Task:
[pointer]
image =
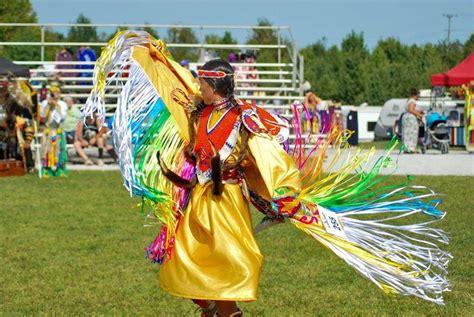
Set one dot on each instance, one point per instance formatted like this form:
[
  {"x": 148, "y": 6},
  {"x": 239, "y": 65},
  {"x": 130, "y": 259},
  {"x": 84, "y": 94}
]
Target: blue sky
[{"x": 411, "y": 21}]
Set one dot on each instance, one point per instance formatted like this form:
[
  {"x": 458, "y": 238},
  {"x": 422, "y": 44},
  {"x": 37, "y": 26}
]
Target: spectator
[
  {"x": 337, "y": 118},
  {"x": 410, "y": 127},
  {"x": 252, "y": 72},
  {"x": 311, "y": 101},
  {"x": 43, "y": 94},
  {"x": 65, "y": 55},
  {"x": 70, "y": 123},
  {"x": 325, "y": 117},
  {"x": 53, "y": 110},
  {"x": 241, "y": 74},
  {"x": 108, "y": 136},
  {"x": 232, "y": 57},
  {"x": 87, "y": 134},
  {"x": 87, "y": 55}
]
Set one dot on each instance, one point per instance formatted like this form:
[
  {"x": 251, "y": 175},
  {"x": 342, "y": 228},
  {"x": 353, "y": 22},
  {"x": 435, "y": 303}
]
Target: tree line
[
  {"x": 349, "y": 72},
  {"x": 353, "y": 74}
]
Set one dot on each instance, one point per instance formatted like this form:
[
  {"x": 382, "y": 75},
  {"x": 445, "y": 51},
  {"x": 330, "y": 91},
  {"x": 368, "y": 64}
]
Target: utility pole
[{"x": 449, "y": 16}]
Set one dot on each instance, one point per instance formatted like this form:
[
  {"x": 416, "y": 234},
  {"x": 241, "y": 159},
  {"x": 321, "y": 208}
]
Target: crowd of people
[
  {"x": 60, "y": 123},
  {"x": 59, "y": 119},
  {"x": 81, "y": 133},
  {"x": 55, "y": 120},
  {"x": 83, "y": 54}
]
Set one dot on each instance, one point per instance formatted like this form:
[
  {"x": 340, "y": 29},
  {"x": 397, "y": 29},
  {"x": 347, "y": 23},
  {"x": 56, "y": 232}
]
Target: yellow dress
[{"x": 216, "y": 256}]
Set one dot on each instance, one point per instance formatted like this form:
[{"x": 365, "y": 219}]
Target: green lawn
[{"x": 74, "y": 246}]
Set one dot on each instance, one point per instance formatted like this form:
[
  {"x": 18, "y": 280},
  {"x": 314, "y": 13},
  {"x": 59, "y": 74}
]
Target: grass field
[{"x": 74, "y": 246}]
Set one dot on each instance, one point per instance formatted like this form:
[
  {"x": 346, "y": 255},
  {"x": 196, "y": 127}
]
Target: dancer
[
  {"x": 17, "y": 98},
  {"x": 53, "y": 112},
  {"x": 198, "y": 163}
]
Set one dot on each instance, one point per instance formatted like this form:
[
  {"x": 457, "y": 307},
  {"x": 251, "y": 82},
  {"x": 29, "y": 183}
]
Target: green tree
[
  {"x": 263, "y": 36},
  {"x": 378, "y": 76},
  {"x": 429, "y": 62},
  {"x": 216, "y": 39},
  {"x": 314, "y": 67},
  {"x": 185, "y": 36},
  {"x": 82, "y": 33},
  {"x": 52, "y": 36},
  {"x": 227, "y": 38},
  {"x": 352, "y": 75},
  {"x": 393, "y": 50},
  {"x": 19, "y": 11},
  {"x": 329, "y": 79},
  {"x": 106, "y": 37},
  {"x": 469, "y": 45},
  {"x": 321, "y": 68},
  {"x": 267, "y": 37},
  {"x": 451, "y": 52},
  {"x": 394, "y": 67},
  {"x": 151, "y": 31}
]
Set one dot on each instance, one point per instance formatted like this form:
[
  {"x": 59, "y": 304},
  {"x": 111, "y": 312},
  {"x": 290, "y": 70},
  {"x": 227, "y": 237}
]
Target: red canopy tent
[{"x": 460, "y": 74}]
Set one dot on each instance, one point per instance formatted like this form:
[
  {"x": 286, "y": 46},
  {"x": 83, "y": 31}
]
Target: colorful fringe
[
  {"x": 144, "y": 125},
  {"x": 375, "y": 230},
  {"x": 54, "y": 154}
]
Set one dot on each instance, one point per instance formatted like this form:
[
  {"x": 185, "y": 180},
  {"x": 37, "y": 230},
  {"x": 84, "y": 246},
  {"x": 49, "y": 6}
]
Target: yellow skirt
[{"x": 215, "y": 256}]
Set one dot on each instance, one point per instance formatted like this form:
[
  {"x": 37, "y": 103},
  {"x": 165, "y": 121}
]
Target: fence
[
  {"x": 279, "y": 81},
  {"x": 276, "y": 87}
]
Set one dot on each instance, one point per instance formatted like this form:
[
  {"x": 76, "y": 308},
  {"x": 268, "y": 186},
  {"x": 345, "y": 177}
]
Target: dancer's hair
[{"x": 224, "y": 86}]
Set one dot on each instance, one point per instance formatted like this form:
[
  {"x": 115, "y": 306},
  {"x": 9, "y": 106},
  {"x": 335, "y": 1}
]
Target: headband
[{"x": 212, "y": 74}]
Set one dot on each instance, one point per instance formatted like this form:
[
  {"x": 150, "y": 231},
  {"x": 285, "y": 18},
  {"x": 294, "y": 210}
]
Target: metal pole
[
  {"x": 201, "y": 49},
  {"x": 161, "y": 26},
  {"x": 42, "y": 43},
  {"x": 279, "y": 51},
  {"x": 449, "y": 16},
  {"x": 301, "y": 73},
  {"x": 295, "y": 60}
]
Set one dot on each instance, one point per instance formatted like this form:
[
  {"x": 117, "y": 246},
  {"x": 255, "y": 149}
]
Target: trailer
[{"x": 393, "y": 108}]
